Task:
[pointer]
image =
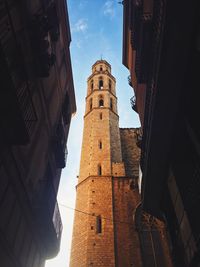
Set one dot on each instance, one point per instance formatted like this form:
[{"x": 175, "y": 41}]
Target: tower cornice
[
  {"x": 100, "y": 62},
  {"x": 102, "y": 90},
  {"x": 101, "y": 108},
  {"x": 101, "y": 72}
]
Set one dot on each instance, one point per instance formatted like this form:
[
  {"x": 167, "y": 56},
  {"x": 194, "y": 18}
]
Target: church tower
[{"x": 107, "y": 190}]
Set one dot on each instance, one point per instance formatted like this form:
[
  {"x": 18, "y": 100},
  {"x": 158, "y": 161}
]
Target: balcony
[
  {"x": 59, "y": 146},
  {"x": 47, "y": 216},
  {"x": 133, "y": 103},
  {"x": 129, "y": 81}
]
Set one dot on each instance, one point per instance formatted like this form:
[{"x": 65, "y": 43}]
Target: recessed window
[
  {"x": 101, "y": 116},
  {"x": 101, "y": 68},
  {"x": 111, "y": 103},
  {"x": 90, "y": 103},
  {"x": 100, "y": 83},
  {"x": 99, "y": 170},
  {"x": 92, "y": 85},
  {"x": 100, "y": 145},
  {"x": 110, "y": 84},
  {"x": 99, "y": 224},
  {"x": 101, "y": 103}
]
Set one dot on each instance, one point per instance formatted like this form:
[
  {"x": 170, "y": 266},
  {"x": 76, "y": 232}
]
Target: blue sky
[{"x": 96, "y": 30}]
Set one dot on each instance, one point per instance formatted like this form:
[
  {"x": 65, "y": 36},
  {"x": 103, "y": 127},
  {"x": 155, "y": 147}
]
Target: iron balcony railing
[
  {"x": 129, "y": 81},
  {"x": 133, "y": 103}
]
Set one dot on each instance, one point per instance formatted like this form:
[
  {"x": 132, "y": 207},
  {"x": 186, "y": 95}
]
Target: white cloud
[
  {"x": 108, "y": 8},
  {"x": 80, "y": 26}
]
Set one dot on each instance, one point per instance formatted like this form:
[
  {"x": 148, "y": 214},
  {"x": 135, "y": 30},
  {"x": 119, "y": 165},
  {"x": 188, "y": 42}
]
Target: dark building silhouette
[
  {"x": 36, "y": 104},
  {"x": 161, "y": 48}
]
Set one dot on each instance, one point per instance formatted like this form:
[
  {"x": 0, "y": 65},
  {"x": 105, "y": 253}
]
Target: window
[
  {"x": 99, "y": 224},
  {"x": 100, "y": 144},
  {"x": 101, "y": 103},
  {"x": 100, "y": 116},
  {"x": 101, "y": 68},
  {"x": 99, "y": 170},
  {"x": 111, "y": 103},
  {"x": 92, "y": 85},
  {"x": 100, "y": 83},
  {"x": 110, "y": 85},
  {"x": 90, "y": 103}
]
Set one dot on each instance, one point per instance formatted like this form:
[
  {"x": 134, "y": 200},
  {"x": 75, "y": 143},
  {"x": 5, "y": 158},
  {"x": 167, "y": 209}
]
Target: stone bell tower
[{"x": 107, "y": 190}]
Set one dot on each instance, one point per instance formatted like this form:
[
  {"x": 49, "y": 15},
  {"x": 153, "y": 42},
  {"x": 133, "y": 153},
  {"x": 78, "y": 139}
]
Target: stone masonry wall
[
  {"x": 90, "y": 248},
  {"x": 126, "y": 198},
  {"x": 130, "y": 151},
  {"x": 127, "y": 244}
]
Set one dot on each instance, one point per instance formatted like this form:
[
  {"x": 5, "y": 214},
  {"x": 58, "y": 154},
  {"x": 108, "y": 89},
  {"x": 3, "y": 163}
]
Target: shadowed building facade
[
  {"x": 36, "y": 104},
  {"x": 161, "y": 49}
]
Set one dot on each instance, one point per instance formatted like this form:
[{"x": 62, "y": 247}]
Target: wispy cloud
[
  {"x": 83, "y": 3},
  {"x": 108, "y": 8},
  {"x": 80, "y": 26}
]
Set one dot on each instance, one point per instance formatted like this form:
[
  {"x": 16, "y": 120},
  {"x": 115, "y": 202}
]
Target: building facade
[
  {"x": 107, "y": 191},
  {"x": 36, "y": 104},
  {"x": 106, "y": 181},
  {"x": 161, "y": 50}
]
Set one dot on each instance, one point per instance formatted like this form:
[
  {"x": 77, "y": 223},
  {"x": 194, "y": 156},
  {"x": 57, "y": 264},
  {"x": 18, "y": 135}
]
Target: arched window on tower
[
  {"x": 92, "y": 85},
  {"x": 100, "y": 144},
  {"x": 101, "y": 102},
  {"x": 110, "y": 85},
  {"x": 100, "y": 83},
  {"x": 90, "y": 103},
  {"x": 99, "y": 169},
  {"x": 111, "y": 103},
  {"x": 101, "y": 116},
  {"x": 98, "y": 224},
  {"x": 101, "y": 69}
]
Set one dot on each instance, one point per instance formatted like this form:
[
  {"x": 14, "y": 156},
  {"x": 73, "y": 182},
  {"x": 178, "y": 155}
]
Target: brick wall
[
  {"x": 130, "y": 151},
  {"x": 89, "y": 248},
  {"x": 126, "y": 237}
]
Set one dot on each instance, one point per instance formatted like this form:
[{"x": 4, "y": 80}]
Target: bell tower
[
  {"x": 103, "y": 233},
  {"x": 101, "y": 138}
]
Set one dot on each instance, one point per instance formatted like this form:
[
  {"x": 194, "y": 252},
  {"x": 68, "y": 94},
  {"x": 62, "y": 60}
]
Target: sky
[{"x": 96, "y": 32}]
